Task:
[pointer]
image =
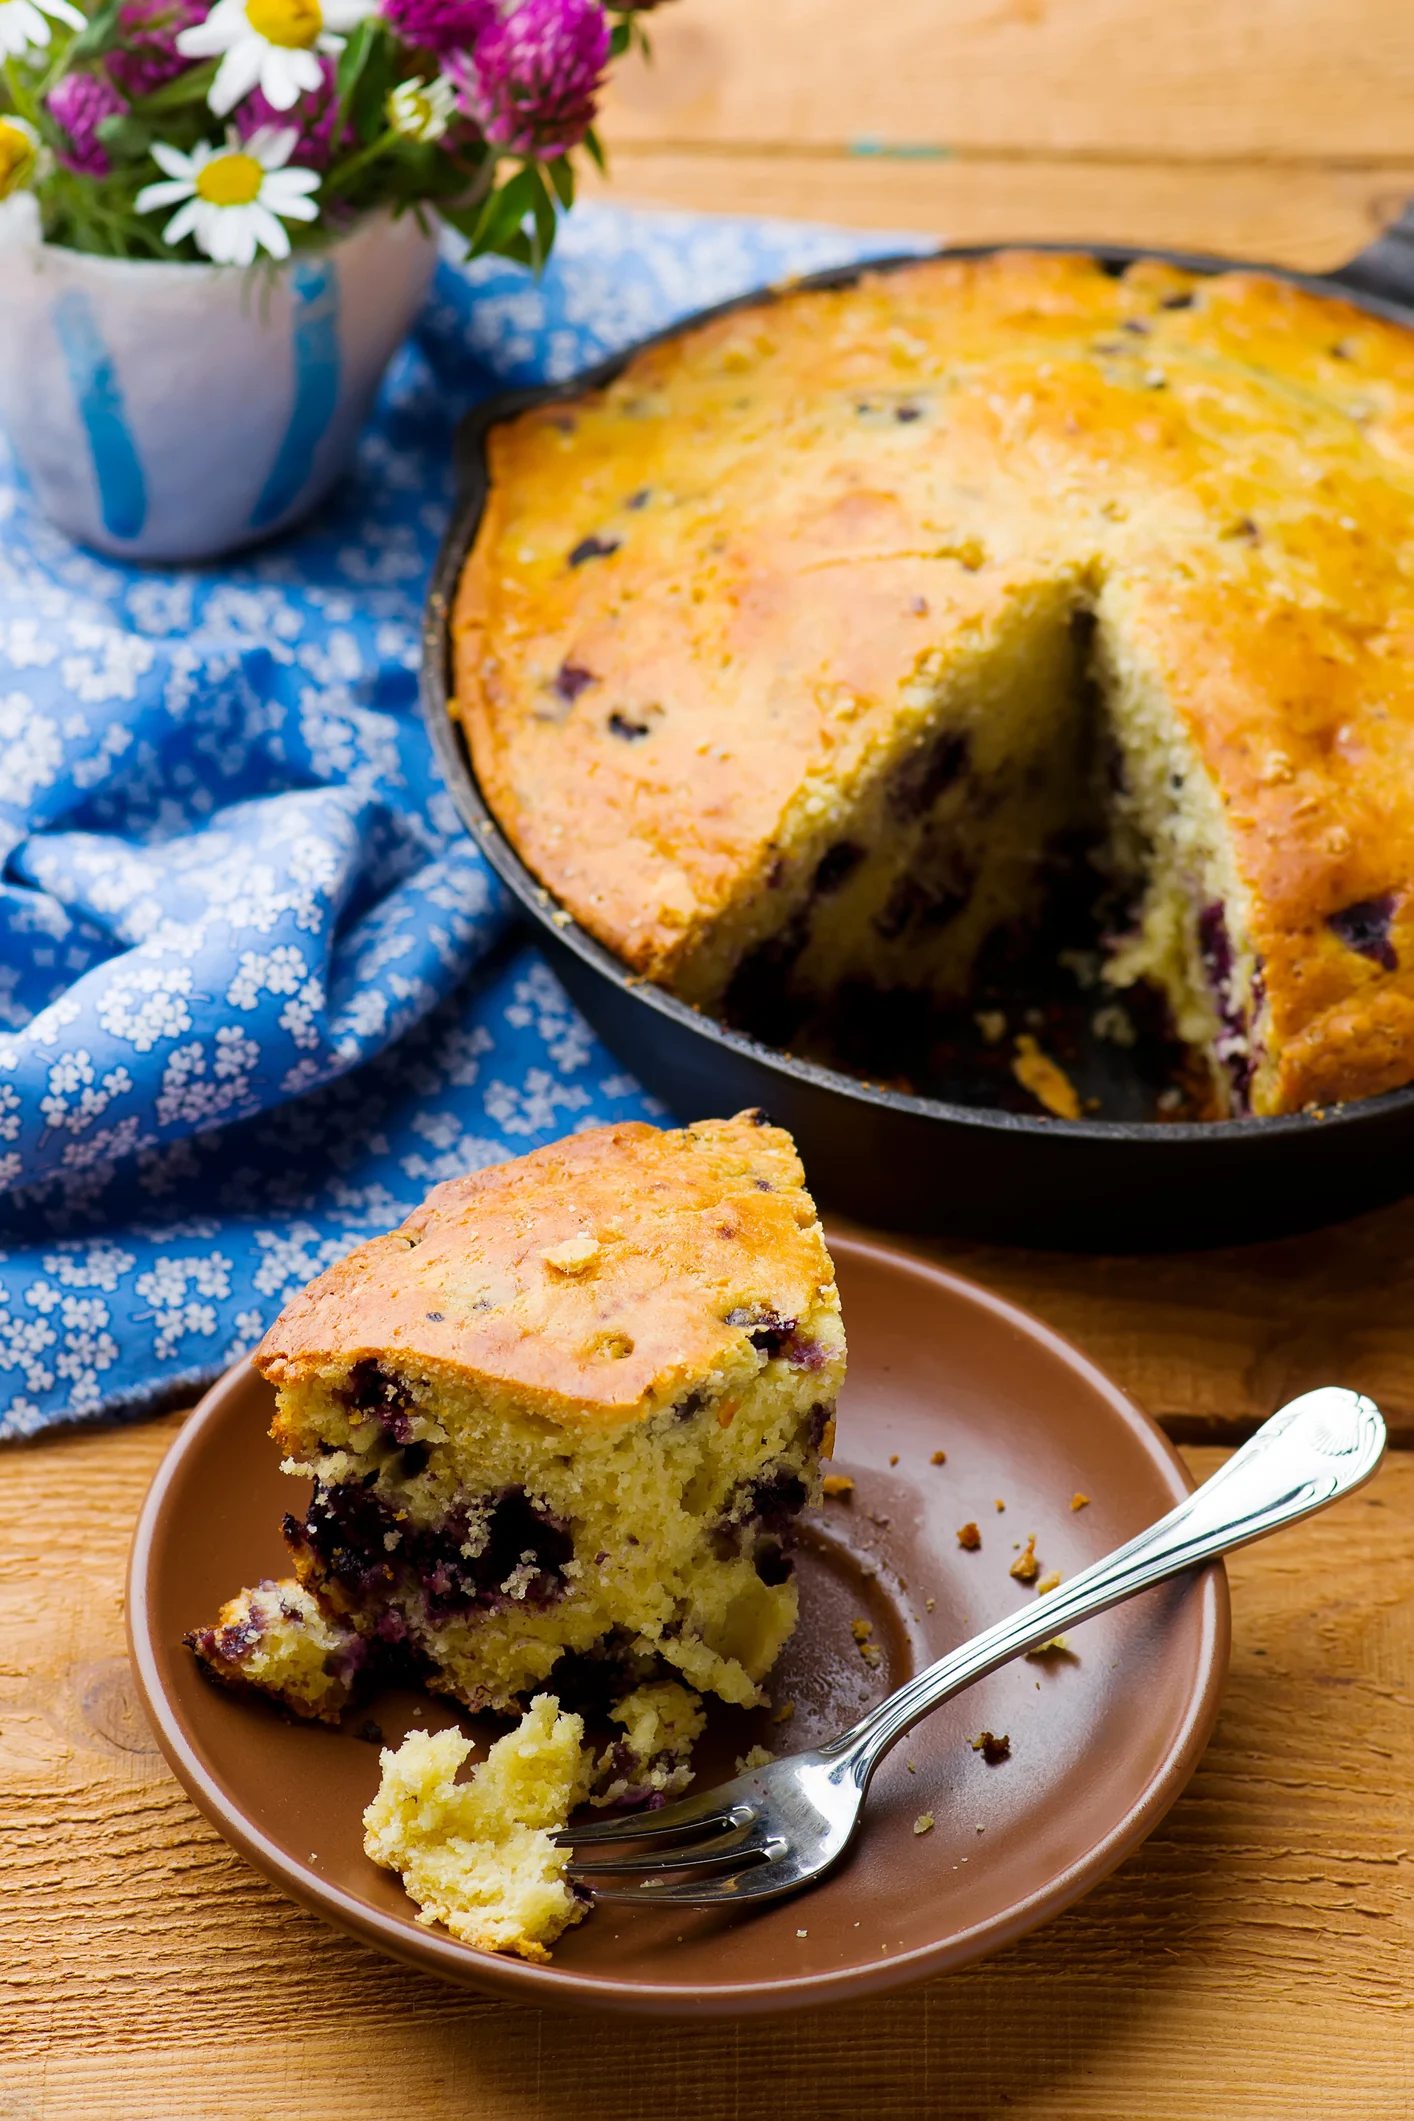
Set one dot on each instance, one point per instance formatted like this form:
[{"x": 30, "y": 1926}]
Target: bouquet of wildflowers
[{"x": 173, "y": 129}]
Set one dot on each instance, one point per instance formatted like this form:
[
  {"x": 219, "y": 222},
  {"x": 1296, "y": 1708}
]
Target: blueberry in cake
[
  {"x": 561, "y": 1421},
  {"x": 477, "y": 1856},
  {"x": 786, "y": 656}
]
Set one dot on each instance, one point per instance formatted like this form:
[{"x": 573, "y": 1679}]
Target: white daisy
[
  {"x": 268, "y": 44},
  {"x": 420, "y": 110},
  {"x": 24, "y": 29},
  {"x": 234, "y": 196}
]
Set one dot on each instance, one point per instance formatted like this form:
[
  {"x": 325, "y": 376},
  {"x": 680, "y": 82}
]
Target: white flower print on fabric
[
  {"x": 258, "y": 990},
  {"x": 180, "y": 1293},
  {"x": 31, "y": 751},
  {"x": 147, "y": 1004}
]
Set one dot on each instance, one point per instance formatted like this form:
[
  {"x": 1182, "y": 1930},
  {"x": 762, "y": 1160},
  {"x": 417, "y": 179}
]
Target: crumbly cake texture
[
  {"x": 782, "y": 657},
  {"x": 567, "y": 1414},
  {"x": 651, "y": 1762},
  {"x": 477, "y": 1856},
  {"x": 278, "y": 1640}
]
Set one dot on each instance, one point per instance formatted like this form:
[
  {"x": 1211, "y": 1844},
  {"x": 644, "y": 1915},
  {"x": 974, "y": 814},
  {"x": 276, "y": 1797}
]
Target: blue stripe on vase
[
  {"x": 316, "y": 359},
  {"x": 122, "y": 491}
]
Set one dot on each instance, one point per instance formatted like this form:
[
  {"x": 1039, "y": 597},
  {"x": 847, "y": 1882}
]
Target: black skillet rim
[{"x": 454, "y": 754}]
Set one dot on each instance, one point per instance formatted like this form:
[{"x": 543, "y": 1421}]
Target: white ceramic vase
[{"x": 175, "y": 412}]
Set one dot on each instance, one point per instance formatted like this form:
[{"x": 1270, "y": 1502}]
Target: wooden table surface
[{"x": 1253, "y": 1961}]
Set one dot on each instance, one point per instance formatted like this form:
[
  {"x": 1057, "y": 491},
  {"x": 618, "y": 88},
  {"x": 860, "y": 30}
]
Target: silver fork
[{"x": 776, "y": 1829}]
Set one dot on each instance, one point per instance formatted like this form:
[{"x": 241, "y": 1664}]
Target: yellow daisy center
[
  {"x": 230, "y": 180},
  {"x": 16, "y": 157},
  {"x": 293, "y": 23}
]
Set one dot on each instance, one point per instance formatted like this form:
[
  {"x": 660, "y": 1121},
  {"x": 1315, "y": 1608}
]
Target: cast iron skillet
[{"x": 911, "y": 1162}]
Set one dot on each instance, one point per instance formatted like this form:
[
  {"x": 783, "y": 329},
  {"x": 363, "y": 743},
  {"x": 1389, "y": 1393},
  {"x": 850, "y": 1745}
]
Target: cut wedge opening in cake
[{"x": 1053, "y": 746}]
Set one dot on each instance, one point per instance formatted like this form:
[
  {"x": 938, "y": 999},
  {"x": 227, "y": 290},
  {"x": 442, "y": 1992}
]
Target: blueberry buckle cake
[
  {"x": 786, "y": 657},
  {"x": 561, "y": 1421}
]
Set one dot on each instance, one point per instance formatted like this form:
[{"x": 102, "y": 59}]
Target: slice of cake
[
  {"x": 477, "y": 1856},
  {"x": 563, "y": 1419},
  {"x": 279, "y": 1641}
]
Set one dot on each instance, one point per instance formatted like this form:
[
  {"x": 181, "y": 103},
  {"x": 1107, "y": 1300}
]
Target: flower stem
[
  {"x": 339, "y": 176},
  {"x": 19, "y": 97}
]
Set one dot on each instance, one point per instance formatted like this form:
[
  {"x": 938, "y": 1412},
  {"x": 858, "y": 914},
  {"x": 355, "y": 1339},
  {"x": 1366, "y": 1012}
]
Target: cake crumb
[
  {"x": 837, "y": 1485},
  {"x": 861, "y": 1631},
  {"x": 758, "y": 1756},
  {"x": 662, "y": 1722},
  {"x": 478, "y": 1856},
  {"x": 1000, "y": 1505},
  {"x": 992, "y": 1748},
  {"x": 992, "y": 1025},
  {"x": 939, "y": 1458},
  {"x": 893, "y": 1460},
  {"x": 923, "y": 1824},
  {"x": 802, "y": 1933},
  {"x": 1026, "y": 1568},
  {"x": 1078, "y": 1501},
  {"x": 1048, "y": 1583},
  {"x": 911, "y": 1766},
  {"x": 1058, "y": 1646},
  {"x": 968, "y": 1536},
  {"x": 928, "y": 1604},
  {"x": 1046, "y": 1080},
  {"x": 277, "y": 1640},
  {"x": 1115, "y": 1023},
  {"x": 574, "y": 1256},
  {"x": 784, "y": 1713}
]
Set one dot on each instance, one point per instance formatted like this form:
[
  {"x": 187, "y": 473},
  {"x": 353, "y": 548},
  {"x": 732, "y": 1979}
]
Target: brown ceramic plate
[{"x": 1102, "y": 1740}]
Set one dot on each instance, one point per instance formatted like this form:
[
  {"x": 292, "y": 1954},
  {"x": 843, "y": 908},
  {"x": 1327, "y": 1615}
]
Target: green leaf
[
  {"x": 620, "y": 37},
  {"x": 99, "y": 34},
  {"x": 503, "y": 214},
  {"x": 188, "y": 88},
  {"x": 561, "y": 175},
  {"x": 368, "y": 102},
  {"x": 126, "y": 138},
  {"x": 595, "y": 150},
  {"x": 354, "y": 56},
  {"x": 542, "y": 206}
]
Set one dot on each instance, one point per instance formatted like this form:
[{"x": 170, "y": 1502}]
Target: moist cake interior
[
  {"x": 471, "y": 1535},
  {"x": 1050, "y": 748}
]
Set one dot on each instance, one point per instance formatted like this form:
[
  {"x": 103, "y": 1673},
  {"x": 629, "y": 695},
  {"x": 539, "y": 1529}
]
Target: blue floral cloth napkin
[{"x": 258, "y": 991}]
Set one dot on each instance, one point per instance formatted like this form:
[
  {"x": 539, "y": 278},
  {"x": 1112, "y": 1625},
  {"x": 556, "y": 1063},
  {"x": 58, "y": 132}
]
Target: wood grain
[
  {"x": 1292, "y": 80},
  {"x": 1310, "y": 216},
  {"x": 1252, "y": 1960}
]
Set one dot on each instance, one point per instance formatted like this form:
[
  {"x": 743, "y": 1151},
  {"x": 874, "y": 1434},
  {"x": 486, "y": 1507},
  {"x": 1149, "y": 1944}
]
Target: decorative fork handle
[{"x": 1315, "y": 1450}]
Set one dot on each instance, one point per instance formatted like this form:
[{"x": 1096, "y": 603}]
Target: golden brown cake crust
[
  {"x": 591, "y": 1278},
  {"x": 697, "y": 593}
]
